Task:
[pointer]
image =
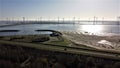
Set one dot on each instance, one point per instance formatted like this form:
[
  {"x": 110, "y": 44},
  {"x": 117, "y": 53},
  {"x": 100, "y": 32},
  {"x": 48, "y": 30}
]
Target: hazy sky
[{"x": 63, "y": 8}]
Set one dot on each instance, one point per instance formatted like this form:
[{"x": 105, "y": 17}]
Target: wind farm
[{"x": 59, "y": 34}]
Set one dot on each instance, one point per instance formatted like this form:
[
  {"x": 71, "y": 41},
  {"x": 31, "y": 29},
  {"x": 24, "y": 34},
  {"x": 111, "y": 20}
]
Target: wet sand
[{"x": 110, "y": 42}]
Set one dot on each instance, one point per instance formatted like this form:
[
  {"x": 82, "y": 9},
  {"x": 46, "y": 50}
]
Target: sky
[{"x": 84, "y": 9}]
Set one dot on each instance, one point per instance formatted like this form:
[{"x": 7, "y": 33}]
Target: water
[{"x": 29, "y": 29}]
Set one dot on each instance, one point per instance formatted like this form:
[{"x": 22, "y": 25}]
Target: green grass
[
  {"x": 63, "y": 42},
  {"x": 61, "y": 49}
]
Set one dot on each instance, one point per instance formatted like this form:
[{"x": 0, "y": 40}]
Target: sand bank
[{"x": 111, "y": 42}]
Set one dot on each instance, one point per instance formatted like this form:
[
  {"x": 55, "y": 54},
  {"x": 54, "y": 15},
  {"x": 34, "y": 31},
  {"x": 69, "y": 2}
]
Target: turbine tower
[{"x": 23, "y": 19}]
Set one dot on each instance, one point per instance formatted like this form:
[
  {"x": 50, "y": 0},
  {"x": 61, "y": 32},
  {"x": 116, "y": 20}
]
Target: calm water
[{"x": 30, "y": 28}]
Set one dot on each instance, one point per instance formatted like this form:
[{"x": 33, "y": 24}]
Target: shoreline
[{"x": 93, "y": 40}]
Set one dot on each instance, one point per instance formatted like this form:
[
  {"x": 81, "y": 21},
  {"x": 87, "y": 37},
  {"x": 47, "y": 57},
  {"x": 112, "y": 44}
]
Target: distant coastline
[{"x": 83, "y": 22}]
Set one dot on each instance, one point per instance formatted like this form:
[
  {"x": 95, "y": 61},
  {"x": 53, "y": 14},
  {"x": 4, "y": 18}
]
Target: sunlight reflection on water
[{"x": 92, "y": 28}]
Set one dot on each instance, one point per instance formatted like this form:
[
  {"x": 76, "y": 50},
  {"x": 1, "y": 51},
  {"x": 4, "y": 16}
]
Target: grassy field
[{"x": 57, "y": 44}]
